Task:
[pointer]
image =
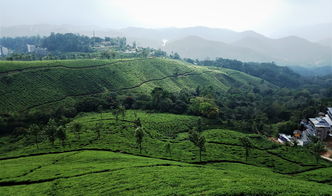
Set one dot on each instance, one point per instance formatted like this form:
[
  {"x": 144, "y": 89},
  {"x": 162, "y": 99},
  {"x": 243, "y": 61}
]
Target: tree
[
  {"x": 246, "y": 143},
  {"x": 76, "y": 128},
  {"x": 120, "y": 110},
  {"x": 50, "y": 130},
  {"x": 34, "y": 131},
  {"x": 168, "y": 148},
  {"x": 317, "y": 148},
  {"x": 199, "y": 141},
  {"x": 99, "y": 128},
  {"x": 145, "y": 52},
  {"x": 100, "y": 110},
  {"x": 61, "y": 134},
  {"x": 139, "y": 134},
  {"x": 157, "y": 95},
  {"x": 199, "y": 125}
]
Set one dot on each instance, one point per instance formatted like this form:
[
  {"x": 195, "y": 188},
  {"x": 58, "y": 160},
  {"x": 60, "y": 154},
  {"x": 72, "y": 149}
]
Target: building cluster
[
  {"x": 35, "y": 49},
  {"x": 4, "y": 51},
  {"x": 319, "y": 127}
]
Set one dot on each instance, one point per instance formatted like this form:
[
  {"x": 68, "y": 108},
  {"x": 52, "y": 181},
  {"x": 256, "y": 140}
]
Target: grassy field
[
  {"x": 113, "y": 164},
  {"x": 108, "y": 173},
  {"x": 45, "y": 82}
]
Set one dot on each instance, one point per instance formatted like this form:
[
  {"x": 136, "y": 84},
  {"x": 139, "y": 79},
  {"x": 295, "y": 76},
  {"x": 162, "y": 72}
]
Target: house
[
  {"x": 321, "y": 127},
  {"x": 31, "y": 48},
  {"x": 283, "y": 138},
  {"x": 4, "y": 51},
  {"x": 36, "y": 50}
]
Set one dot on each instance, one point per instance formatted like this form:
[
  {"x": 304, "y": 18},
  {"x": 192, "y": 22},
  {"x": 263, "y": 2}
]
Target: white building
[
  {"x": 320, "y": 127},
  {"x": 4, "y": 51},
  {"x": 31, "y": 48}
]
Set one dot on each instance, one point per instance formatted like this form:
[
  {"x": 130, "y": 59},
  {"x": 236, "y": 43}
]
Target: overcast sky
[{"x": 265, "y": 16}]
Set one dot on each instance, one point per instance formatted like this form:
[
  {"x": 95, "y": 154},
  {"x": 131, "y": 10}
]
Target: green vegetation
[
  {"x": 100, "y": 172},
  {"x": 153, "y": 126},
  {"x": 52, "y": 81},
  {"x": 223, "y": 168}
]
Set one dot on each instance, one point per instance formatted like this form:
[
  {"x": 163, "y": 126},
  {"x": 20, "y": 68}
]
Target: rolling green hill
[
  {"x": 113, "y": 164},
  {"x": 24, "y": 85},
  {"x": 103, "y": 173}
]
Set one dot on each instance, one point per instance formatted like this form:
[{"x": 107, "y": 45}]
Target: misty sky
[{"x": 265, "y": 16}]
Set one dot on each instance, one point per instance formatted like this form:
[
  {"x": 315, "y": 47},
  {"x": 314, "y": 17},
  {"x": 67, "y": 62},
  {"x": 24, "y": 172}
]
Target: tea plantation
[{"x": 112, "y": 164}]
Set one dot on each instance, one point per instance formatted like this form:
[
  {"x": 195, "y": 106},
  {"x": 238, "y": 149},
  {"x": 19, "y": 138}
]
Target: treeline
[
  {"x": 67, "y": 42},
  {"x": 19, "y": 44},
  {"x": 246, "y": 109},
  {"x": 278, "y": 75}
]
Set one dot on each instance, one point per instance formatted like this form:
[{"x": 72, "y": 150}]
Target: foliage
[
  {"x": 82, "y": 170},
  {"x": 199, "y": 141},
  {"x": 139, "y": 134},
  {"x": 246, "y": 143}
]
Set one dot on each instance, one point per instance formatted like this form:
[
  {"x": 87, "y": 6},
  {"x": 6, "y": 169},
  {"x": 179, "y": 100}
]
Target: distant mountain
[
  {"x": 309, "y": 71},
  {"x": 290, "y": 50},
  {"x": 215, "y": 34},
  {"x": 311, "y": 32},
  {"x": 326, "y": 42},
  {"x": 203, "y": 42},
  {"x": 45, "y": 30},
  {"x": 199, "y": 48}
]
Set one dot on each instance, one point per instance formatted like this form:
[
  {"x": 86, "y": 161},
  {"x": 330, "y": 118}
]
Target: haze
[{"x": 268, "y": 17}]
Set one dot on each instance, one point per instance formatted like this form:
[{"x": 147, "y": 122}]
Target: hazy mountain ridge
[
  {"x": 203, "y": 42},
  {"x": 197, "y": 47}
]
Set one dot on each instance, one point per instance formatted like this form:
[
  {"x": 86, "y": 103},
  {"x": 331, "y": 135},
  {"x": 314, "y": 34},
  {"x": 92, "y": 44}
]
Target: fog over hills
[{"x": 203, "y": 42}]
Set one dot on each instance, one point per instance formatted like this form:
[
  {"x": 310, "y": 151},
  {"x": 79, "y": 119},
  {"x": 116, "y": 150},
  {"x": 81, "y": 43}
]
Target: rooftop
[
  {"x": 329, "y": 109},
  {"x": 328, "y": 119},
  {"x": 319, "y": 122}
]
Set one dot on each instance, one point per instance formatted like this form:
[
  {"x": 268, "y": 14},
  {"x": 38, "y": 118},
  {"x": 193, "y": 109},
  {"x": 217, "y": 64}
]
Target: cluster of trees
[
  {"x": 51, "y": 131},
  {"x": 19, "y": 44},
  {"x": 68, "y": 42},
  {"x": 256, "y": 111},
  {"x": 278, "y": 75}
]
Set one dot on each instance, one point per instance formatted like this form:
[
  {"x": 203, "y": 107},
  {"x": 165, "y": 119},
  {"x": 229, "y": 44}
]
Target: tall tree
[
  {"x": 76, "y": 128},
  {"x": 50, "y": 130},
  {"x": 100, "y": 110},
  {"x": 199, "y": 141},
  {"x": 35, "y": 132},
  {"x": 99, "y": 127},
  {"x": 168, "y": 148},
  {"x": 61, "y": 134},
  {"x": 119, "y": 111},
  {"x": 246, "y": 143},
  {"x": 317, "y": 148},
  {"x": 139, "y": 134},
  {"x": 157, "y": 95}
]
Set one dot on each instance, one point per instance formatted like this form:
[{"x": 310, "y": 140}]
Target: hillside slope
[
  {"x": 113, "y": 164},
  {"x": 24, "y": 85},
  {"x": 89, "y": 172}
]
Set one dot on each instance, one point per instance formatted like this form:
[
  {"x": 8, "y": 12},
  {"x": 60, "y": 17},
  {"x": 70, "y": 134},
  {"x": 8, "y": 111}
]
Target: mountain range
[{"x": 203, "y": 42}]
